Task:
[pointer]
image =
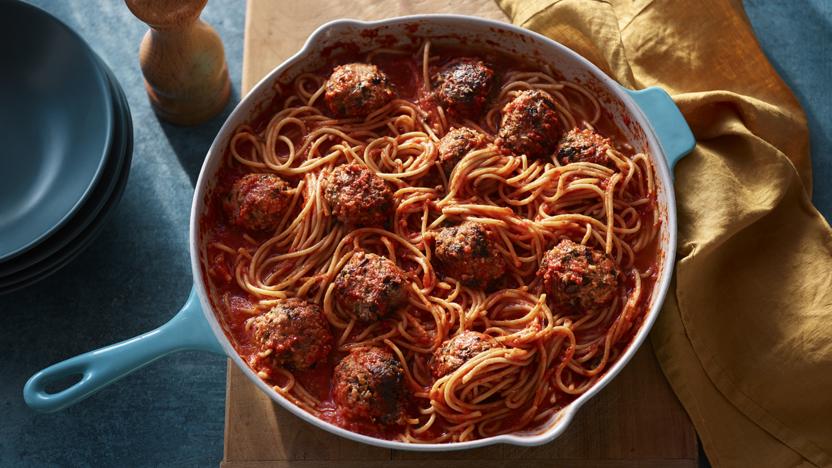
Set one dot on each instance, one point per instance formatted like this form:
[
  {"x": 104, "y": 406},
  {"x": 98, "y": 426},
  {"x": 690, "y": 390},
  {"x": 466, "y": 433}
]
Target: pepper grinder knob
[{"x": 183, "y": 61}]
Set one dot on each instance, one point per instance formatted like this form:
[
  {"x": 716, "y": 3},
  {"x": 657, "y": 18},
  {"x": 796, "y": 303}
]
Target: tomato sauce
[{"x": 233, "y": 305}]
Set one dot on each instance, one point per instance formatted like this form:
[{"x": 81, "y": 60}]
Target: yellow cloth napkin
[{"x": 745, "y": 336}]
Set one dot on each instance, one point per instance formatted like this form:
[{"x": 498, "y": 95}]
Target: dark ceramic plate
[
  {"x": 66, "y": 244},
  {"x": 56, "y": 125}
]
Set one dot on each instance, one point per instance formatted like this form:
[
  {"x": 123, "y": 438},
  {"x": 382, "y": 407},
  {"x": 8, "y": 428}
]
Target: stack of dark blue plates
[{"x": 66, "y": 141}]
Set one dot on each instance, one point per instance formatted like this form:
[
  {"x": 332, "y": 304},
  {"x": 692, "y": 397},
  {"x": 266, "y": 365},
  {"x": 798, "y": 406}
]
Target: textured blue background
[{"x": 137, "y": 273}]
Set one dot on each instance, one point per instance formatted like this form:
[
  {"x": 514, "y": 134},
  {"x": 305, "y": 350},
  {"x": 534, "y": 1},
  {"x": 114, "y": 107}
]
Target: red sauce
[{"x": 232, "y": 303}]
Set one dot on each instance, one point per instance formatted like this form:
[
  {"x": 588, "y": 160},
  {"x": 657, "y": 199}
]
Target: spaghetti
[{"x": 540, "y": 353}]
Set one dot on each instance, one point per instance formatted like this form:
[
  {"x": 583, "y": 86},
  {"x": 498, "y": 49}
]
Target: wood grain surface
[{"x": 636, "y": 421}]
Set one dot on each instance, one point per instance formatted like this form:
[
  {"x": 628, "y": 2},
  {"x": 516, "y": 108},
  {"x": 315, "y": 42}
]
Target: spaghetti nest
[{"x": 543, "y": 355}]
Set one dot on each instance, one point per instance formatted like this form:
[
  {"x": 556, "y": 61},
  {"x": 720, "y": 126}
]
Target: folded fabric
[{"x": 745, "y": 336}]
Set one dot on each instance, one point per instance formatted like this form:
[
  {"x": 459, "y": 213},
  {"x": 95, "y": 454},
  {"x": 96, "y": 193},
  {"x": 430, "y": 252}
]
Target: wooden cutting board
[{"x": 635, "y": 422}]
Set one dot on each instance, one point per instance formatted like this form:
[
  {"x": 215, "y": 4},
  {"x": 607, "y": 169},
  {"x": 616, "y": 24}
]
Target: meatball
[
  {"x": 530, "y": 124},
  {"x": 456, "y": 144},
  {"x": 295, "y": 332},
  {"x": 357, "y": 89},
  {"x": 358, "y": 197},
  {"x": 368, "y": 385},
  {"x": 370, "y": 286},
  {"x": 458, "y": 350},
  {"x": 578, "y": 276},
  {"x": 257, "y": 201},
  {"x": 468, "y": 253},
  {"x": 584, "y": 146},
  {"x": 463, "y": 86}
]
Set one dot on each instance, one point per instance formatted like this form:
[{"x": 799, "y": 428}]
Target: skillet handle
[
  {"x": 667, "y": 121},
  {"x": 187, "y": 330}
]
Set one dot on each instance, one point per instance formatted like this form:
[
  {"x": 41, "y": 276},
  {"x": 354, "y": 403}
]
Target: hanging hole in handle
[
  {"x": 65, "y": 382},
  {"x": 58, "y": 380}
]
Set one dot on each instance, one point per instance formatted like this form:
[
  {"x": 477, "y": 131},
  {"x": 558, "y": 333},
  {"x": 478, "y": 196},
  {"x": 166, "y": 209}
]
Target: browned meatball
[
  {"x": 295, "y": 332},
  {"x": 456, "y": 144},
  {"x": 463, "y": 86},
  {"x": 468, "y": 253},
  {"x": 530, "y": 124},
  {"x": 357, "y": 89},
  {"x": 370, "y": 286},
  {"x": 358, "y": 197},
  {"x": 578, "y": 276},
  {"x": 458, "y": 350},
  {"x": 257, "y": 201},
  {"x": 368, "y": 385},
  {"x": 584, "y": 146}
]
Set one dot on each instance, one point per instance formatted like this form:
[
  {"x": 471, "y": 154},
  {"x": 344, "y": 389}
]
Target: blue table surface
[{"x": 137, "y": 273}]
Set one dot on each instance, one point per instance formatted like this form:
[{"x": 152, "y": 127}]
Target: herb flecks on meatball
[
  {"x": 578, "y": 276},
  {"x": 368, "y": 385},
  {"x": 293, "y": 333},
  {"x": 456, "y": 144},
  {"x": 257, "y": 201},
  {"x": 358, "y": 197},
  {"x": 458, "y": 350},
  {"x": 468, "y": 253},
  {"x": 529, "y": 125},
  {"x": 370, "y": 286},
  {"x": 464, "y": 86},
  {"x": 357, "y": 89},
  {"x": 584, "y": 146}
]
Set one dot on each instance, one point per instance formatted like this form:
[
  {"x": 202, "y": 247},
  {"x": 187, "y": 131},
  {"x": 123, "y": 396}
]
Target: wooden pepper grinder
[{"x": 183, "y": 61}]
